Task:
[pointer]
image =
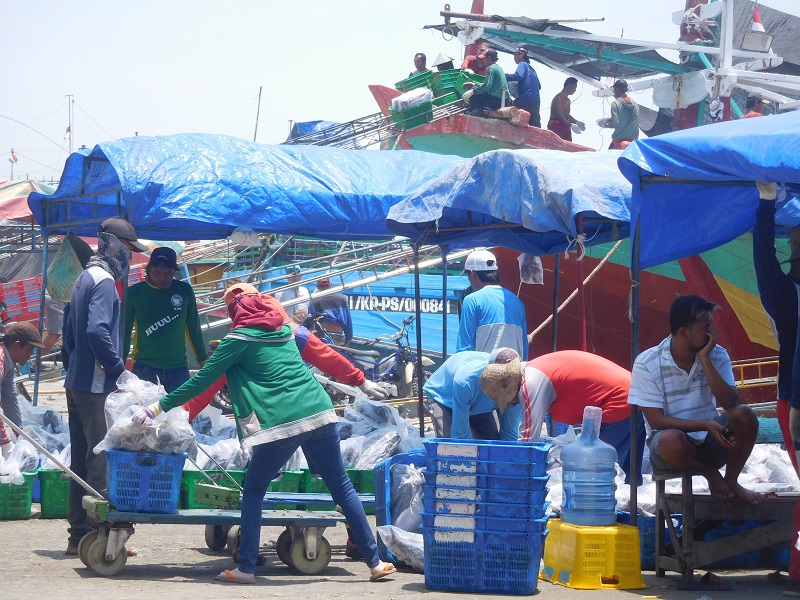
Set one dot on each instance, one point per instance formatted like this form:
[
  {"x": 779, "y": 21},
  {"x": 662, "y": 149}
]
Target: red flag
[
  {"x": 13, "y": 156},
  {"x": 757, "y": 25}
]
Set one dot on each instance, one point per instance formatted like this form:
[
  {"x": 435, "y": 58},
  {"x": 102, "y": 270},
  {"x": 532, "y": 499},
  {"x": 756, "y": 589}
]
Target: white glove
[
  {"x": 373, "y": 390},
  {"x": 581, "y": 126},
  {"x": 767, "y": 190},
  {"x": 469, "y": 71},
  {"x": 7, "y": 449},
  {"x": 467, "y": 95}
]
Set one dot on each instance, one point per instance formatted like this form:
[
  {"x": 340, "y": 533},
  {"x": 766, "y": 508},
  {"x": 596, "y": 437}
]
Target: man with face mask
[{"x": 92, "y": 353}]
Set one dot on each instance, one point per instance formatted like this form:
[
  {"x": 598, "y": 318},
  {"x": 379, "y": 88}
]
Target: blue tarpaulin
[
  {"x": 526, "y": 200},
  {"x": 694, "y": 190},
  {"x": 201, "y": 186}
]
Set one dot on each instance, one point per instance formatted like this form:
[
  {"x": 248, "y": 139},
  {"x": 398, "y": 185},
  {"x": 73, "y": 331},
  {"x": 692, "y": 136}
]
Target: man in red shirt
[
  {"x": 564, "y": 383},
  {"x": 755, "y": 107}
]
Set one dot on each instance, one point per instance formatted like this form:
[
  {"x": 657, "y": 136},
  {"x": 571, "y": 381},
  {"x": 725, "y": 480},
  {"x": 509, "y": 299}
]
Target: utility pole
[
  {"x": 70, "y": 111},
  {"x": 258, "y": 112}
]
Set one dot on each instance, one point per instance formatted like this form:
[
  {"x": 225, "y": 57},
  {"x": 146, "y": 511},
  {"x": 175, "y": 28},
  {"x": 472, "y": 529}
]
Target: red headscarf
[{"x": 248, "y": 309}]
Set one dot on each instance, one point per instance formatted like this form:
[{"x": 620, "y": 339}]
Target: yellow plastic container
[{"x": 592, "y": 558}]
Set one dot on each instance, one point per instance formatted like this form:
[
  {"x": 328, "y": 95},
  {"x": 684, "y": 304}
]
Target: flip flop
[
  {"x": 71, "y": 551},
  {"x": 228, "y": 576},
  {"x": 708, "y": 582},
  {"x": 777, "y": 578},
  {"x": 388, "y": 569}
]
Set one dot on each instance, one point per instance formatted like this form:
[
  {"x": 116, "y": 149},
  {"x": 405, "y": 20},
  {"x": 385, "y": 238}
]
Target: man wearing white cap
[
  {"x": 492, "y": 317},
  {"x": 463, "y": 408}
]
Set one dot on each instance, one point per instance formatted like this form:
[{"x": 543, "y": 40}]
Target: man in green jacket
[
  {"x": 489, "y": 95},
  {"x": 624, "y": 117},
  {"x": 164, "y": 311}
]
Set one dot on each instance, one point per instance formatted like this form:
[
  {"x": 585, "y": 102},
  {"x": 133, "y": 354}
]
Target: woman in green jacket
[{"x": 279, "y": 406}]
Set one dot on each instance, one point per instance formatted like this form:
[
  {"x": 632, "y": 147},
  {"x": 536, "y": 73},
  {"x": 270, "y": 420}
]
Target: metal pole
[
  {"x": 556, "y": 279},
  {"x": 634, "y": 353},
  {"x": 258, "y": 112},
  {"x": 418, "y": 312},
  {"x": 445, "y": 304},
  {"x": 581, "y": 290},
  {"x": 69, "y": 113},
  {"x": 45, "y": 249}
]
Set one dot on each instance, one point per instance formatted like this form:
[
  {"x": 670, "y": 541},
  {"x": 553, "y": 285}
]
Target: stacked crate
[{"x": 484, "y": 521}]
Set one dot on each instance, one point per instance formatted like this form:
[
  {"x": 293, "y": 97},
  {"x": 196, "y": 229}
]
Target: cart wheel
[
  {"x": 234, "y": 533},
  {"x": 216, "y": 536},
  {"x": 83, "y": 546},
  {"x": 96, "y": 558},
  {"x": 297, "y": 554},
  {"x": 282, "y": 547}
]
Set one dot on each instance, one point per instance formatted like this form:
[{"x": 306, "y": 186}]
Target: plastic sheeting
[
  {"x": 680, "y": 219},
  {"x": 201, "y": 186},
  {"x": 542, "y": 191}
]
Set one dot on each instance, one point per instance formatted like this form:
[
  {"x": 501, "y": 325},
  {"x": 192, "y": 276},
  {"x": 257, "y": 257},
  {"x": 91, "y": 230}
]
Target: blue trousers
[
  {"x": 171, "y": 379},
  {"x": 321, "y": 448}
]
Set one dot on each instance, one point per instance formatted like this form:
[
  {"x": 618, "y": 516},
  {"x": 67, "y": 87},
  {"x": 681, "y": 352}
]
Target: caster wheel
[
  {"x": 282, "y": 547},
  {"x": 84, "y": 545},
  {"x": 96, "y": 557},
  {"x": 233, "y": 538},
  {"x": 297, "y": 554},
  {"x": 216, "y": 536}
]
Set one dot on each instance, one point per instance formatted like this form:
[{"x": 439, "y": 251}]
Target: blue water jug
[{"x": 588, "y": 476}]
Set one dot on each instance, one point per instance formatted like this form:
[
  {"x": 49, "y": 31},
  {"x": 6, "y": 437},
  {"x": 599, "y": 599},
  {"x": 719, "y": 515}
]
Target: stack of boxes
[{"x": 484, "y": 521}]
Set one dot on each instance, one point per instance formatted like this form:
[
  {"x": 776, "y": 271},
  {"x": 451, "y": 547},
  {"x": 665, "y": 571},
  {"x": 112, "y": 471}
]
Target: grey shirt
[{"x": 8, "y": 392}]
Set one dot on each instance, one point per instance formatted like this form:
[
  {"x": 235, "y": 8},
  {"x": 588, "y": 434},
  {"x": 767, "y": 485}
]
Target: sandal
[
  {"x": 777, "y": 578},
  {"x": 228, "y": 576},
  {"x": 388, "y": 569},
  {"x": 71, "y": 551},
  {"x": 708, "y": 582}
]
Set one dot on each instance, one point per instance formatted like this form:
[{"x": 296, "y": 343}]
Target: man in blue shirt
[
  {"x": 461, "y": 408},
  {"x": 528, "y": 86},
  {"x": 336, "y": 314},
  {"x": 491, "y": 317}
]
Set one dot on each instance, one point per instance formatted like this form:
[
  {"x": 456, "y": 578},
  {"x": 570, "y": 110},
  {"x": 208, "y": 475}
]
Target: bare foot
[
  {"x": 744, "y": 494},
  {"x": 718, "y": 486}
]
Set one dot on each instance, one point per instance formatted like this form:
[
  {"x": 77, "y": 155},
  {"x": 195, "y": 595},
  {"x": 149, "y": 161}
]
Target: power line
[
  {"x": 32, "y": 129},
  {"x": 111, "y": 136}
]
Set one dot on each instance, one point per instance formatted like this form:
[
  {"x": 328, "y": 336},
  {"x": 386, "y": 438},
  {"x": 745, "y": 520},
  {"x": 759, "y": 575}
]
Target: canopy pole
[
  {"x": 581, "y": 290},
  {"x": 634, "y": 308},
  {"x": 554, "y": 316},
  {"x": 418, "y": 331},
  {"x": 45, "y": 248},
  {"x": 444, "y": 303}
]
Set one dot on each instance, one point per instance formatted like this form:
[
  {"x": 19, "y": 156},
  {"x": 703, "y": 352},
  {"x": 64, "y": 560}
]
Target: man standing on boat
[
  {"x": 420, "y": 61},
  {"x": 561, "y": 121},
  {"x": 624, "y": 117},
  {"x": 755, "y": 107},
  {"x": 296, "y": 312},
  {"x": 528, "y": 85},
  {"x": 472, "y": 62},
  {"x": 92, "y": 355},
  {"x": 678, "y": 385},
  {"x": 336, "y": 314},
  {"x": 164, "y": 311},
  {"x": 492, "y": 317},
  {"x": 779, "y": 293},
  {"x": 489, "y": 95}
]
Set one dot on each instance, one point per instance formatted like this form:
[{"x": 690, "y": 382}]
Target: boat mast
[{"x": 477, "y": 9}]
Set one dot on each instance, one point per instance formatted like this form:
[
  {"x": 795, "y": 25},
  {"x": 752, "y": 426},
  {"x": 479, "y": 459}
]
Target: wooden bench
[{"x": 701, "y": 513}]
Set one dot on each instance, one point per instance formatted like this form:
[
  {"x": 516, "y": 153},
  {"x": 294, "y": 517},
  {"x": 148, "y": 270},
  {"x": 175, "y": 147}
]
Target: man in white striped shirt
[{"x": 678, "y": 385}]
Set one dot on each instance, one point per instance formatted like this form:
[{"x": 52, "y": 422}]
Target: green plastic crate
[
  {"x": 15, "y": 500},
  {"x": 366, "y": 485},
  {"x": 286, "y": 481},
  {"x": 190, "y": 479},
  {"x": 419, "y": 80},
  {"x": 413, "y": 117},
  {"x": 445, "y": 81},
  {"x": 54, "y": 493},
  {"x": 447, "y": 98},
  {"x": 466, "y": 77},
  {"x": 313, "y": 484}
]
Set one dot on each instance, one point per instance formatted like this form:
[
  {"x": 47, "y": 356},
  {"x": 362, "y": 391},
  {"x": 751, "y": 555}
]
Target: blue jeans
[
  {"x": 171, "y": 379},
  {"x": 321, "y": 448}
]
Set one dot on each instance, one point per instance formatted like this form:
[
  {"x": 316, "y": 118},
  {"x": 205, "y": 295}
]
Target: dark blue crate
[
  {"x": 144, "y": 481},
  {"x": 492, "y": 496},
  {"x": 488, "y": 450},
  {"x": 490, "y": 482},
  {"x": 482, "y": 561},
  {"x": 647, "y": 536},
  {"x": 462, "y": 466},
  {"x": 777, "y": 557},
  {"x": 487, "y": 509},
  {"x": 383, "y": 500},
  {"x": 729, "y": 528},
  {"x": 482, "y": 523}
]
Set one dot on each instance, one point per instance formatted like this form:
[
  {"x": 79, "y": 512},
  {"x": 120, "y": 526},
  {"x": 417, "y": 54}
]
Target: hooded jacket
[{"x": 624, "y": 119}]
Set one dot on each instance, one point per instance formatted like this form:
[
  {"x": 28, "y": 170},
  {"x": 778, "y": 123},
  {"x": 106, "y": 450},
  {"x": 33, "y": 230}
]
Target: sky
[{"x": 160, "y": 67}]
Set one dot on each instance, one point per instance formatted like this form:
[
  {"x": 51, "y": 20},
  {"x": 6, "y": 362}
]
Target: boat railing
[{"x": 757, "y": 372}]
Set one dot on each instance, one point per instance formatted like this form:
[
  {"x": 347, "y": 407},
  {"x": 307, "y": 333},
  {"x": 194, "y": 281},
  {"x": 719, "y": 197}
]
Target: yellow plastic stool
[{"x": 592, "y": 558}]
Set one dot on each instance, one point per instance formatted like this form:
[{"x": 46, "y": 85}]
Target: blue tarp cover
[
  {"x": 683, "y": 219},
  {"x": 202, "y": 186},
  {"x": 542, "y": 191}
]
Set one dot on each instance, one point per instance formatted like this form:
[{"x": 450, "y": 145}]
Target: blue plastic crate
[
  {"x": 482, "y": 561},
  {"x": 489, "y": 482},
  {"x": 647, "y": 536},
  {"x": 144, "y": 481},
  {"x": 487, "y": 509},
  {"x": 777, "y": 557},
  {"x": 383, "y": 490},
  {"x": 462, "y": 466},
  {"x": 482, "y": 523},
  {"x": 488, "y": 450},
  {"x": 728, "y": 528},
  {"x": 492, "y": 496}
]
